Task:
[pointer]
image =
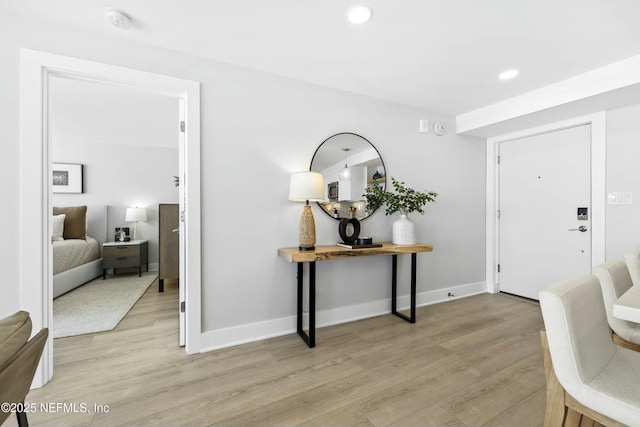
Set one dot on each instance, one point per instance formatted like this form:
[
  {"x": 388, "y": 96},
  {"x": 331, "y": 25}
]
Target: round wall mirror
[{"x": 349, "y": 163}]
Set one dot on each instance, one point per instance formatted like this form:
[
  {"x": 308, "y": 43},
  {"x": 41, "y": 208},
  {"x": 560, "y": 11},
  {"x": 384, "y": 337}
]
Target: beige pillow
[
  {"x": 58, "y": 227},
  {"x": 75, "y": 221}
]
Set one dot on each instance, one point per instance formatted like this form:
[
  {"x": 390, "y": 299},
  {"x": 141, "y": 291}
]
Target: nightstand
[{"x": 134, "y": 253}]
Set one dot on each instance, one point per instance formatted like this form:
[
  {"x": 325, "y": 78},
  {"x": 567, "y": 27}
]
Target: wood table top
[{"x": 324, "y": 253}]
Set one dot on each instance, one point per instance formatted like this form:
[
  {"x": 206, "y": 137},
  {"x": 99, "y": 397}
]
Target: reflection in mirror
[{"x": 349, "y": 164}]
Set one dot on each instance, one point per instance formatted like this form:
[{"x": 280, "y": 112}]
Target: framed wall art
[
  {"x": 122, "y": 234},
  {"x": 67, "y": 178}
]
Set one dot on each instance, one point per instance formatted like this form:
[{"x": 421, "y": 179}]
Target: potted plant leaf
[{"x": 404, "y": 200}]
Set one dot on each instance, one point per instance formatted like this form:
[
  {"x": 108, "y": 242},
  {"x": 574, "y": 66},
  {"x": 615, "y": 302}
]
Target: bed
[{"x": 78, "y": 235}]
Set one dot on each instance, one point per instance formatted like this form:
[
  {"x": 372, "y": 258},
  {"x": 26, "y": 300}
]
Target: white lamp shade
[
  {"x": 135, "y": 214},
  {"x": 306, "y": 186}
]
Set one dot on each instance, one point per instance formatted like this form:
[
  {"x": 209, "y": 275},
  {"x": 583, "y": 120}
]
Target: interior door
[
  {"x": 544, "y": 210},
  {"x": 181, "y": 196}
]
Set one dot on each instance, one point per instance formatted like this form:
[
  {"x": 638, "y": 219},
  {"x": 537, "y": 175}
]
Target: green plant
[{"x": 404, "y": 200}]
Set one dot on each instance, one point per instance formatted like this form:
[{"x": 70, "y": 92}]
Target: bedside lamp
[
  {"x": 305, "y": 187},
  {"x": 135, "y": 215}
]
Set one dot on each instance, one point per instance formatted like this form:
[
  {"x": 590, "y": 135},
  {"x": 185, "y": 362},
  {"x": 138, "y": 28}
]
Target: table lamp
[
  {"x": 305, "y": 187},
  {"x": 135, "y": 215}
]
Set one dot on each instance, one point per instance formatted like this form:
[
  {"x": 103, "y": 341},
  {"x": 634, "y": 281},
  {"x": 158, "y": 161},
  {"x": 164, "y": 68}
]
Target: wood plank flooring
[{"x": 470, "y": 362}]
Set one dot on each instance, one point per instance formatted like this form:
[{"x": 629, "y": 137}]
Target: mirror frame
[{"x": 320, "y": 205}]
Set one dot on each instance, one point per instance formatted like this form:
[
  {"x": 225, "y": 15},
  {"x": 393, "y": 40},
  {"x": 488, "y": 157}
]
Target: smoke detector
[
  {"x": 439, "y": 128},
  {"x": 117, "y": 18}
]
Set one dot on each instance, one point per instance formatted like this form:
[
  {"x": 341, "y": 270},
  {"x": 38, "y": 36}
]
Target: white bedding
[{"x": 70, "y": 253}]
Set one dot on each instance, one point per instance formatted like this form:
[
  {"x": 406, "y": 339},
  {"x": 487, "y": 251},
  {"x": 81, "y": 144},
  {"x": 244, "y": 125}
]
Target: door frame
[
  {"x": 35, "y": 194},
  {"x": 597, "y": 121}
]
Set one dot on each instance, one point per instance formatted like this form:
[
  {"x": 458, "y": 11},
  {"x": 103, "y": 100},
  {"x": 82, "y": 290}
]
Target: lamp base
[
  {"x": 307, "y": 229},
  {"x": 135, "y": 231}
]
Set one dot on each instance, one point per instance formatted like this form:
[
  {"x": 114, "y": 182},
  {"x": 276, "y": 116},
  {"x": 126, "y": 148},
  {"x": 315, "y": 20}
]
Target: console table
[{"x": 326, "y": 253}]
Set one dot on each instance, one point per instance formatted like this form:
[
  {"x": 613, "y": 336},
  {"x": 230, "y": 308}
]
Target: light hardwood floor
[{"x": 469, "y": 362}]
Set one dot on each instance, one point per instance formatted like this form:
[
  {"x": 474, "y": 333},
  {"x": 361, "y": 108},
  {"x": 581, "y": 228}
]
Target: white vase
[{"x": 404, "y": 231}]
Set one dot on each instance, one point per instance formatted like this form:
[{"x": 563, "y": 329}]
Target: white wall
[
  {"x": 257, "y": 128},
  {"x": 128, "y": 144},
  {"x": 623, "y": 153}
]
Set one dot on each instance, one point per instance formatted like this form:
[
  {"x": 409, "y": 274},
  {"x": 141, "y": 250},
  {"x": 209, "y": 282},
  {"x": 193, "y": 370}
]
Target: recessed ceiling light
[
  {"x": 509, "y": 74},
  {"x": 359, "y": 14}
]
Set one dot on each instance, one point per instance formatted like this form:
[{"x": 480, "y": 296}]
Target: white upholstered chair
[
  {"x": 615, "y": 280},
  {"x": 595, "y": 374},
  {"x": 633, "y": 264}
]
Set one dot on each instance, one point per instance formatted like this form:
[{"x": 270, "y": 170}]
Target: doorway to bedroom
[
  {"x": 125, "y": 145},
  {"x": 37, "y": 69}
]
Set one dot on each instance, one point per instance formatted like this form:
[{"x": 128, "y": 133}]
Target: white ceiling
[{"x": 442, "y": 55}]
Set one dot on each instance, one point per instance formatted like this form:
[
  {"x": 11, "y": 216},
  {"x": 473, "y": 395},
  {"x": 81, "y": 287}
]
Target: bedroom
[{"x": 126, "y": 142}]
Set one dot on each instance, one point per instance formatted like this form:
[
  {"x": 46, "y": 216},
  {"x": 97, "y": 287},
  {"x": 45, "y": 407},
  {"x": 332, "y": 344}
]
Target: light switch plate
[{"x": 620, "y": 198}]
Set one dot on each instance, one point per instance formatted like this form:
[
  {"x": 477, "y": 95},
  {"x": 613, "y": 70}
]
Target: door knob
[{"x": 582, "y": 228}]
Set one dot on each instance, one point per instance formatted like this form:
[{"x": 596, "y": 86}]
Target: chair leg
[
  {"x": 575, "y": 419},
  {"x": 22, "y": 419},
  {"x": 618, "y": 340},
  {"x": 562, "y": 408},
  {"x": 556, "y": 410}
]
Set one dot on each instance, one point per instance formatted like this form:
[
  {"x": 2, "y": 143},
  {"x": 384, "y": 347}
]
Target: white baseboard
[
  {"x": 493, "y": 288},
  {"x": 228, "y": 337},
  {"x": 154, "y": 266}
]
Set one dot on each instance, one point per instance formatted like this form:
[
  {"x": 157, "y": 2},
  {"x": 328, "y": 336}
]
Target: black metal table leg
[
  {"x": 394, "y": 283},
  {"x": 394, "y": 288},
  {"x": 312, "y": 304},
  {"x": 414, "y": 258},
  {"x": 299, "y": 300},
  {"x": 309, "y": 338}
]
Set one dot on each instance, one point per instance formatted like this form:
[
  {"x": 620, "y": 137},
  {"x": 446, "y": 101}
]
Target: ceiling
[{"x": 441, "y": 55}]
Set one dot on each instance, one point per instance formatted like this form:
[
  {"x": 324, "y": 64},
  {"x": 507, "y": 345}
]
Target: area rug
[{"x": 98, "y": 305}]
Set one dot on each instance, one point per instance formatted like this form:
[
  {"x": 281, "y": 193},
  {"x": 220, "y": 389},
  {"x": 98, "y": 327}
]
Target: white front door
[{"x": 544, "y": 210}]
